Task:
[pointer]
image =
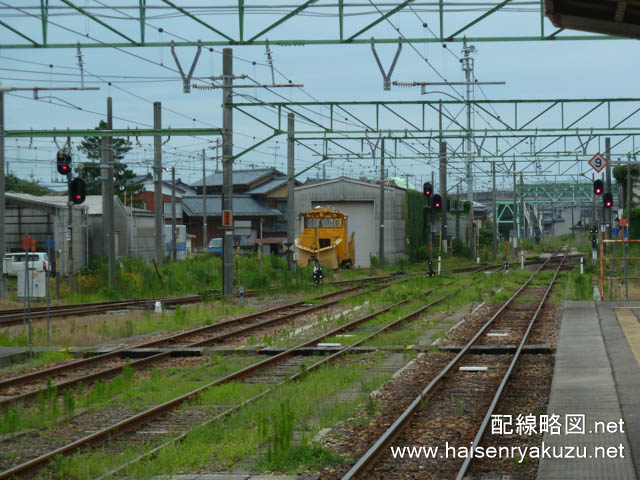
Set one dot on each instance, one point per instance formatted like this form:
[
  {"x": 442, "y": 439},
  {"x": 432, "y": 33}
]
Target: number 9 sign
[{"x": 598, "y": 162}]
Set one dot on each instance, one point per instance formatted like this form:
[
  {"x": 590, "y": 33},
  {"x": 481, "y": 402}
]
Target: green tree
[
  {"x": 19, "y": 185},
  {"x": 486, "y": 233},
  {"x": 92, "y": 148}
]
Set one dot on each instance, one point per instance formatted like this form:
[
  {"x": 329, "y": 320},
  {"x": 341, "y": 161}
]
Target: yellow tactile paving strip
[{"x": 631, "y": 329}]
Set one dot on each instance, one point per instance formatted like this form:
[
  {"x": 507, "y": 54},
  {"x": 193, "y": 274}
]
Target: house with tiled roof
[{"x": 259, "y": 207}]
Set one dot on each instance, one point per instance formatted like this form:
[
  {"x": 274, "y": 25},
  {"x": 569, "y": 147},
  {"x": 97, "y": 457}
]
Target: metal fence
[{"x": 617, "y": 278}]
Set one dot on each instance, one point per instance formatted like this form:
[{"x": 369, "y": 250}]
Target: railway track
[
  {"x": 283, "y": 364},
  {"x": 16, "y": 316},
  {"x": 568, "y": 265},
  {"x": 377, "y": 461},
  {"x": 107, "y": 365}
]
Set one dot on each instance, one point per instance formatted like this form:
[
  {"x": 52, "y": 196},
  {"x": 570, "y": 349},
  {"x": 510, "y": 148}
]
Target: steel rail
[
  {"x": 113, "y": 371},
  {"x": 193, "y": 331},
  {"x": 370, "y": 456},
  {"x": 298, "y": 376},
  {"x": 115, "y": 303},
  {"x": 37, "y": 463},
  {"x": 16, "y": 316},
  {"x": 505, "y": 379}
]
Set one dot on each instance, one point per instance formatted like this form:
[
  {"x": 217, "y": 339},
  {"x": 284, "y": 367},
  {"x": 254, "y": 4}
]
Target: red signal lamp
[
  {"x": 437, "y": 202},
  {"x": 598, "y": 187}
]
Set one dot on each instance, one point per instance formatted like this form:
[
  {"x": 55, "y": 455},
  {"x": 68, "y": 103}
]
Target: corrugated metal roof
[
  {"x": 243, "y": 205},
  {"x": 92, "y": 203},
  {"x": 268, "y": 187},
  {"x": 321, "y": 183},
  {"x": 240, "y": 177}
]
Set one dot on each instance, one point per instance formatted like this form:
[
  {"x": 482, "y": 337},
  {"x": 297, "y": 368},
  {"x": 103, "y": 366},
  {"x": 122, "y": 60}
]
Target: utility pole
[
  {"x": 381, "y": 233},
  {"x": 227, "y": 169},
  {"x": 467, "y": 67},
  {"x": 290, "y": 189},
  {"x": 523, "y": 217},
  {"x": 174, "y": 245},
  {"x": 593, "y": 204},
  {"x": 458, "y": 211},
  {"x": 72, "y": 282},
  {"x": 629, "y": 197},
  {"x": 3, "y": 247},
  {"x": 443, "y": 191},
  {"x": 607, "y": 211},
  {"x": 515, "y": 212},
  {"x": 205, "y": 240},
  {"x": 495, "y": 212},
  {"x": 109, "y": 193},
  {"x": 157, "y": 185}
]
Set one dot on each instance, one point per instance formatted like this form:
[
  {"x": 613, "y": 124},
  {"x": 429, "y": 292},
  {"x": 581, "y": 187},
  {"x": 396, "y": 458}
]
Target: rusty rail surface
[
  {"x": 365, "y": 462},
  {"x": 98, "y": 437}
]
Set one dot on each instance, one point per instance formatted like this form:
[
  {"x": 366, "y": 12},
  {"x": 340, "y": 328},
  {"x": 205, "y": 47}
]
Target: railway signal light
[
  {"x": 607, "y": 200},
  {"x": 77, "y": 191},
  {"x": 63, "y": 162},
  {"x": 598, "y": 187},
  {"x": 427, "y": 189},
  {"x": 437, "y": 201}
]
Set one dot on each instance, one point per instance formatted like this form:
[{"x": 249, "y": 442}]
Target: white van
[{"x": 14, "y": 262}]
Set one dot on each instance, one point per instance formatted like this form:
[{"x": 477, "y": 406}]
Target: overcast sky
[{"x": 531, "y": 70}]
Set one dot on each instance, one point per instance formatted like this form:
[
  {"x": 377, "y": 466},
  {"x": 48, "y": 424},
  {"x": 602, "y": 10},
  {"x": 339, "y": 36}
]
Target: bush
[
  {"x": 197, "y": 274},
  {"x": 460, "y": 249}
]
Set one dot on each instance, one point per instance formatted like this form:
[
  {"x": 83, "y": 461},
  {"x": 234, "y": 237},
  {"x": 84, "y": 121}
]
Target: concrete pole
[
  {"x": 157, "y": 185},
  {"x": 3, "y": 246},
  {"x": 443, "y": 191},
  {"x": 607, "y": 213},
  {"x": 495, "y": 212},
  {"x": 72, "y": 283},
  {"x": 458, "y": 211},
  {"x": 174, "y": 245},
  {"x": 110, "y": 218},
  {"x": 290, "y": 188},
  {"x": 523, "y": 217},
  {"x": 467, "y": 66},
  {"x": 629, "y": 186},
  {"x": 205, "y": 239},
  {"x": 381, "y": 233},
  {"x": 515, "y": 210},
  {"x": 227, "y": 168},
  {"x": 594, "y": 219}
]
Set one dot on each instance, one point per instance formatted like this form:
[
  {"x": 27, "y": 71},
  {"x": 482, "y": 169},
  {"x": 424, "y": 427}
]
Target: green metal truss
[
  {"x": 340, "y": 35},
  {"x": 560, "y": 193},
  {"x": 567, "y": 131}
]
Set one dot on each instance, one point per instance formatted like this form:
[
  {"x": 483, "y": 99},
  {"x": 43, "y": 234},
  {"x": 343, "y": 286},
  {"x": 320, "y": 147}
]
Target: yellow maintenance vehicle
[{"x": 323, "y": 235}]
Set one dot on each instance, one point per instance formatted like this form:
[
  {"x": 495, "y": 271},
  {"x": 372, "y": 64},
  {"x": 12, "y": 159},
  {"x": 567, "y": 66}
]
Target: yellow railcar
[{"x": 323, "y": 234}]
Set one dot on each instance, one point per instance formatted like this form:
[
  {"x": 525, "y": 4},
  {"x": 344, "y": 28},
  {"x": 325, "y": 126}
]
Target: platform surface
[{"x": 595, "y": 409}]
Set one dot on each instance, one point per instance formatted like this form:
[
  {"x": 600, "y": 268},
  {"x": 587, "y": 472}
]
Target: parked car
[
  {"x": 14, "y": 262},
  {"x": 215, "y": 246}
]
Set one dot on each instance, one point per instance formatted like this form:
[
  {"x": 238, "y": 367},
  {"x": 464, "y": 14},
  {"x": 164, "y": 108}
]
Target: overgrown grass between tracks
[
  {"x": 124, "y": 391},
  {"x": 85, "y": 331},
  {"x": 249, "y": 431}
]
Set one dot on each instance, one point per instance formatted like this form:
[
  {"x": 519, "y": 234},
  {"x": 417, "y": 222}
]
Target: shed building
[
  {"x": 47, "y": 218},
  {"x": 361, "y": 201}
]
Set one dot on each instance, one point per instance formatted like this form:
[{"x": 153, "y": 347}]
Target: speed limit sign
[{"x": 598, "y": 162}]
